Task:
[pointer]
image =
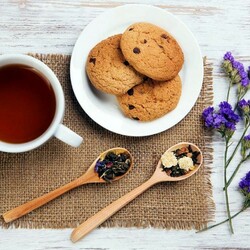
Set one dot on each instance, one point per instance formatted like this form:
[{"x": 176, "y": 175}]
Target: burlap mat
[{"x": 183, "y": 205}]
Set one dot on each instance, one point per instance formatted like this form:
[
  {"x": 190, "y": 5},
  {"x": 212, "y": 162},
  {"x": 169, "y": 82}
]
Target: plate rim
[{"x": 201, "y": 69}]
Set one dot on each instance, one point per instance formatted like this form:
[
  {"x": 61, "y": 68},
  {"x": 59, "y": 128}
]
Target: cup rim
[{"x": 8, "y": 59}]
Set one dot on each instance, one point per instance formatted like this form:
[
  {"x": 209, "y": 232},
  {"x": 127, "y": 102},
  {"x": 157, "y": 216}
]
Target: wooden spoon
[
  {"x": 89, "y": 177},
  {"x": 158, "y": 176}
]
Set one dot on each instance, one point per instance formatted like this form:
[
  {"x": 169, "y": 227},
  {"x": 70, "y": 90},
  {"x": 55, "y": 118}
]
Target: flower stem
[
  {"x": 228, "y": 91},
  {"x": 234, "y": 173},
  {"x": 217, "y": 224},
  {"x": 226, "y": 191},
  {"x": 238, "y": 144},
  {"x": 239, "y": 97}
]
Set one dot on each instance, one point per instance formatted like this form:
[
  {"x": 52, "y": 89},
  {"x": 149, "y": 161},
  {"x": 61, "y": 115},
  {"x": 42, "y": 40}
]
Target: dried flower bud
[{"x": 244, "y": 185}]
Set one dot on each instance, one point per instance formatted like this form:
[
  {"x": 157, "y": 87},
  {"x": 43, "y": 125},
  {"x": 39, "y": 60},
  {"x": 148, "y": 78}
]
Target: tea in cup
[{"x": 31, "y": 105}]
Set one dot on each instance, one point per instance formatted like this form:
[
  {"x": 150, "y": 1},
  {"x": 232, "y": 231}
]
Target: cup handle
[{"x": 68, "y": 136}]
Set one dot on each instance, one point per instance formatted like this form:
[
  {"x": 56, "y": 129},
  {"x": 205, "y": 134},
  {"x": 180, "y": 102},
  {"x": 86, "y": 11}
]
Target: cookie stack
[{"x": 141, "y": 68}]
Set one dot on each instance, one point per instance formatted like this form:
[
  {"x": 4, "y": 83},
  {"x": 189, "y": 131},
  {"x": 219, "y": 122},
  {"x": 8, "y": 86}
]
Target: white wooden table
[{"x": 53, "y": 26}]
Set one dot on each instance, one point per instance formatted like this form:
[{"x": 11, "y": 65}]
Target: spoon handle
[
  {"x": 97, "y": 219},
  {"x": 21, "y": 210}
]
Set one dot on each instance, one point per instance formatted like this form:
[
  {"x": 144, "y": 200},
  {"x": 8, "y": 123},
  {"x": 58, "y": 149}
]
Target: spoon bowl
[
  {"x": 162, "y": 176},
  {"x": 91, "y": 170},
  {"x": 90, "y": 176},
  {"x": 158, "y": 176}
]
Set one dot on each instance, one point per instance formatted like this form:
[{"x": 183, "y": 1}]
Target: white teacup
[{"x": 56, "y": 128}]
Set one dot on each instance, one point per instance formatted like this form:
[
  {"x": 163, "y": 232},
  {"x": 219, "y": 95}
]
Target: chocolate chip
[
  {"x": 126, "y": 63},
  {"x": 145, "y": 78},
  {"x": 130, "y": 92},
  {"x": 131, "y": 106},
  {"x": 160, "y": 46},
  {"x": 131, "y": 29},
  {"x": 164, "y": 36},
  {"x": 92, "y": 60},
  {"x": 136, "y": 118},
  {"x": 136, "y": 50},
  {"x": 144, "y": 41}
]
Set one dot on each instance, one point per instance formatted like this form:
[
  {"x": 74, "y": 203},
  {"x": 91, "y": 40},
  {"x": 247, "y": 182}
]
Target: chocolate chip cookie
[
  {"x": 108, "y": 70},
  {"x": 151, "y": 99},
  {"x": 152, "y": 51}
]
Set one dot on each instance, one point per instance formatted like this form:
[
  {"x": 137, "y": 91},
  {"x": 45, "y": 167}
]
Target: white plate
[{"x": 103, "y": 108}]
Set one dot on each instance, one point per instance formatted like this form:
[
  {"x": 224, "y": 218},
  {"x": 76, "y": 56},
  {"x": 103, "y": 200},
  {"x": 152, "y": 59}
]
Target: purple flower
[
  {"x": 228, "y": 56},
  {"x": 209, "y": 122},
  {"x": 223, "y": 120},
  {"x": 243, "y": 103},
  {"x": 228, "y": 113},
  {"x": 244, "y": 82},
  {"x": 207, "y": 111},
  {"x": 248, "y": 72},
  {"x": 218, "y": 120},
  {"x": 235, "y": 70},
  {"x": 225, "y": 105},
  {"x": 208, "y": 116},
  {"x": 212, "y": 119},
  {"x": 245, "y": 184},
  {"x": 244, "y": 107},
  {"x": 245, "y": 145},
  {"x": 239, "y": 66},
  {"x": 247, "y": 138},
  {"x": 230, "y": 126}
]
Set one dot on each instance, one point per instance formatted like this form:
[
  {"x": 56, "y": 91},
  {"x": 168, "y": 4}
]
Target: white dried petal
[
  {"x": 185, "y": 163},
  {"x": 169, "y": 160}
]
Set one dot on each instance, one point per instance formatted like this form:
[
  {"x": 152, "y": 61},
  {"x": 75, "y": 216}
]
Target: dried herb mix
[
  {"x": 113, "y": 165},
  {"x": 180, "y": 161}
]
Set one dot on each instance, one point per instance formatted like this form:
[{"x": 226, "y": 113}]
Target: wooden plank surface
[{"x": 52, "y": 26}]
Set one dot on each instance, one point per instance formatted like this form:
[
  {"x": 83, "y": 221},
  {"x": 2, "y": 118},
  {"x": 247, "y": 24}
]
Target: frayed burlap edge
[{"x": 208, "y": 156}]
